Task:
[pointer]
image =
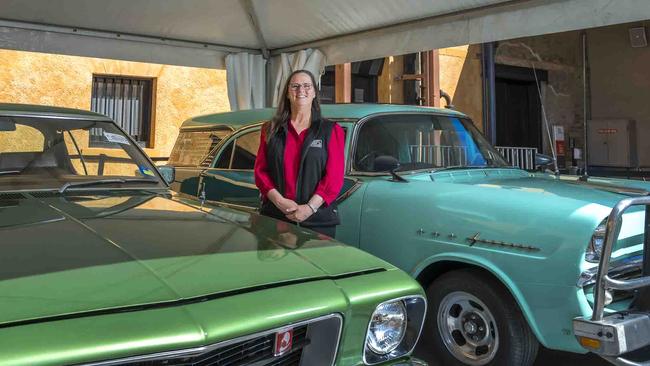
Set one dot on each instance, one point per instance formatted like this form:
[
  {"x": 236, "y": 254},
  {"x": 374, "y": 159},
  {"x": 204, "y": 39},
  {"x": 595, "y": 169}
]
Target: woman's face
[{"x": 300, "y": 90}]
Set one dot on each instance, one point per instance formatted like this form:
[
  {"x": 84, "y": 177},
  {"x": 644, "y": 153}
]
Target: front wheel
[{"x": 473, "y": 320}]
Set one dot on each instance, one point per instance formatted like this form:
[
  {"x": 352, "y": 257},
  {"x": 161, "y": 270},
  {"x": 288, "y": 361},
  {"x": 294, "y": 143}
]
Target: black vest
[{"x": 312, "y": 169}]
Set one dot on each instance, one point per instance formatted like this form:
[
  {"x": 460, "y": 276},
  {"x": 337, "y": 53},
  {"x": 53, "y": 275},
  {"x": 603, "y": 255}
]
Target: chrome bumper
[{"x": 616, "y": 334}]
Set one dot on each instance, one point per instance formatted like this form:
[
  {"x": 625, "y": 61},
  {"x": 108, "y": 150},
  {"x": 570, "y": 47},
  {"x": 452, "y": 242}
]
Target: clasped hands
[
  {"x": 294, "y": 211},
  {"x": 290, "y": 208}
]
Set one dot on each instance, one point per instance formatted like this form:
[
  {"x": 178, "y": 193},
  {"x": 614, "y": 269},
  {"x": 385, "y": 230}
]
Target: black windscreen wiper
[
  {"x": 459, "y": 167},
  {"x": 106, "y": 181}
]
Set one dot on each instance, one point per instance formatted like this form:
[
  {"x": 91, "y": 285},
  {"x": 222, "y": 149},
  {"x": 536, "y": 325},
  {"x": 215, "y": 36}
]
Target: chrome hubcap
[{"x": 467, "y": 328}]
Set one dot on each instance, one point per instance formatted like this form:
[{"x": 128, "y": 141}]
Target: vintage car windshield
[
  {"x": 48, "y": 153},
  {"x": 423, "y": 141}
]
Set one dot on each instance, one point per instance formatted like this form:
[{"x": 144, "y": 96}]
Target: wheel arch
[{"x": 432, "y": 268}]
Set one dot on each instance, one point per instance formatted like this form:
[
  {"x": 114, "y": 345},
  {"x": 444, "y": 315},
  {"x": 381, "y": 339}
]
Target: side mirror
[
  {"x": 168, "y": 173},
  {"x": 385, "y": 163}
]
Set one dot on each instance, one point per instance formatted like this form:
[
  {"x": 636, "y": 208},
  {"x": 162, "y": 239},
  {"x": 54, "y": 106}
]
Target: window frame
[
  {"x": 149, "y": 116},
  {"x": 233, "y": 139},
  {"x": 351, "y": 168}
]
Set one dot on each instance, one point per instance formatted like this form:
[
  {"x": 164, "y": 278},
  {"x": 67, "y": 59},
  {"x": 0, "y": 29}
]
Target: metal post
[
  {"x": 584, "y": 101},
  {"x": 642, "y": 298},
  {"x": 489, "y": 92}
]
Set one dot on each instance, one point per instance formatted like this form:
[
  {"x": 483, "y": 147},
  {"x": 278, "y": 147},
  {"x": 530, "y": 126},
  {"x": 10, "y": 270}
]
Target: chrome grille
[
  {"x": 314, "y": 343},
  {"x": 240, "y": 353}
]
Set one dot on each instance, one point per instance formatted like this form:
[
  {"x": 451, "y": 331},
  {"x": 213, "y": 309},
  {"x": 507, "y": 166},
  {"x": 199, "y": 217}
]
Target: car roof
[
  {"x": 333, "y": 111},
  {"x": 12, "y": 109}
]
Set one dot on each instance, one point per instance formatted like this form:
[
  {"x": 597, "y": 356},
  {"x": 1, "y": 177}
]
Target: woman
[{"x": 300, "y": 162}]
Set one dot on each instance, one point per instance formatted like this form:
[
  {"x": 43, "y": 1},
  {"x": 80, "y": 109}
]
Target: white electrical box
[{"x": 612, "y": 142}]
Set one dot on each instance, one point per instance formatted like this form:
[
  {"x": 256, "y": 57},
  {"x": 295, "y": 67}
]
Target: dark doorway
[
  {"x": 518, "y": 107},
  {"x": 365, "y": 80}
]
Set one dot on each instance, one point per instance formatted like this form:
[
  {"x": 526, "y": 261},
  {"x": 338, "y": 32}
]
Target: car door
[{"x": 230, "y": 179}]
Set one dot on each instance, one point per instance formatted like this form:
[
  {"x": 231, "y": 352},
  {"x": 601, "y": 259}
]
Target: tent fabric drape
[
  {"x": 245, "y": 75},
  {"x": 312, "y": 60},
  {"x": 343, "y": 30}
]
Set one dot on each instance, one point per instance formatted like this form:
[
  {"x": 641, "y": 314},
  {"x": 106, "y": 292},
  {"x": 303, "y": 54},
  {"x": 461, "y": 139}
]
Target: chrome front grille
[
  {"x": 245, "y": 352},
  {"x": 314, "y": 343}
]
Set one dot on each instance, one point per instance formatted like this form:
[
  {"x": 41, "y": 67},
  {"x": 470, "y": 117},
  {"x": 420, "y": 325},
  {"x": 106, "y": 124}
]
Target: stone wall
[
  {"x": 620, "y": 81},
  {"x": 66, "y": 81},
  {"x": 460, "y": 77}
]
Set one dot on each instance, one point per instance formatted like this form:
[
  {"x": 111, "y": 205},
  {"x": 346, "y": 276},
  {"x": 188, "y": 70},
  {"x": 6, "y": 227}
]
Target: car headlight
[
  {"x": 387, "y": 327},
  {"x": 595, "y": 247},
  {"x": 394, "y": 329}
]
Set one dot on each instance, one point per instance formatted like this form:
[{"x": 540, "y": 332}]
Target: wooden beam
[
  {"x": 343, "y": 83},
  {"x": 431, "y": 70},
  {"x": 410, "y": 77}
]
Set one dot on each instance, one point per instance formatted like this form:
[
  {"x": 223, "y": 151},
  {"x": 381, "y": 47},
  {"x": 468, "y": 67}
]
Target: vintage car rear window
[{"x": 192, "y": 147}]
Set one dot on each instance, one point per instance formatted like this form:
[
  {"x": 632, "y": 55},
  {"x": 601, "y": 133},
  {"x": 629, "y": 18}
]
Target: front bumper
[{"x": 615, "y": 336}]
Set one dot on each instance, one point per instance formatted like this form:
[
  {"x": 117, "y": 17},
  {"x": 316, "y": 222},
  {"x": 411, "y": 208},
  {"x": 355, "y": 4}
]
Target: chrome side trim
[
  {"x": 502, "y": 244},
  {"x": 211, "y": 347}
]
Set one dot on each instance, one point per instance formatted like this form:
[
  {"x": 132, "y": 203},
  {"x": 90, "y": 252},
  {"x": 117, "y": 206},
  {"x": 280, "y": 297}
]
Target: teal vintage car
[
  {"x": 509, "y": 258},
  {"x": 101, "y": 264}
]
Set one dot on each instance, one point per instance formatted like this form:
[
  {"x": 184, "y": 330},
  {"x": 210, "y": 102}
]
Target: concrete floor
[{"x": 546, "y": 357}]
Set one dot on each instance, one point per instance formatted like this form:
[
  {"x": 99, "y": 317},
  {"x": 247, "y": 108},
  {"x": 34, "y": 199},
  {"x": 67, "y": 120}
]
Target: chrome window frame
[
  {"x": 232, "y": 137},
  {"x": 351, "y": 171}
]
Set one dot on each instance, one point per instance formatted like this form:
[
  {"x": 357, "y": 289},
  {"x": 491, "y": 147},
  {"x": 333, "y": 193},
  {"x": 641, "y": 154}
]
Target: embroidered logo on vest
[{"x": 316, "y": 143}]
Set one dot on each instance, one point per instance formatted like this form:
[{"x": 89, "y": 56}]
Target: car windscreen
[
  {"x": 423, "y": 141},
  {"x": 46, "y": 153}
]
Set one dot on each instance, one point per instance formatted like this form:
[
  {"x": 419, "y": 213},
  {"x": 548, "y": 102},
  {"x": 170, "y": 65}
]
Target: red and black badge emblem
[{"x": 283, "y": 342}]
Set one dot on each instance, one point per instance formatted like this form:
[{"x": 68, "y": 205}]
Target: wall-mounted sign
[
  {"x": 558, "y": 136},
  {"x": 607, "y": 131}
]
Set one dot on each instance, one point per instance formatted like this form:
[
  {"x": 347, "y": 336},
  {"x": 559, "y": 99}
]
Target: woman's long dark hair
[{"x": 283, "y": 113}]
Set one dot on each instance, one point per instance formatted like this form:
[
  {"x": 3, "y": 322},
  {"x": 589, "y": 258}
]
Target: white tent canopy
[{"x": 202, "y": 32}]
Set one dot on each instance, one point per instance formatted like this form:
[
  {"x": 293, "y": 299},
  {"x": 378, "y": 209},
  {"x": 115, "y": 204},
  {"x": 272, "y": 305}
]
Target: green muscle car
[
  {"x": 102, "y": 264},
  {"x": 509, "y": 258}
]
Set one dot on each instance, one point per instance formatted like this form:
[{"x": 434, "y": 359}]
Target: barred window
[{"x": 128, "y": 101}]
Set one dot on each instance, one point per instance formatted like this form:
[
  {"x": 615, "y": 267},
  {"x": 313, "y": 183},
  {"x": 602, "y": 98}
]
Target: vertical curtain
[
  {"x": 245, "y": 75},
  {"x": 312, "y": 60}
]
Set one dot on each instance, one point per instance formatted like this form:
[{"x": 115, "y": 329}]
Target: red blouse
[{"x": 330, "y": 185}]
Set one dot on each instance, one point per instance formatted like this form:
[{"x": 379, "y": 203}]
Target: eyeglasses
[{"x": 296, "y": 86}]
